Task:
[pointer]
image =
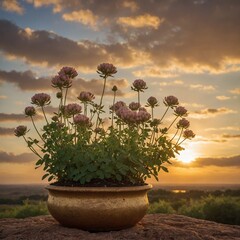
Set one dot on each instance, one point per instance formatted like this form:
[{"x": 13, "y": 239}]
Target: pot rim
[{"x": 99, "y": 189}]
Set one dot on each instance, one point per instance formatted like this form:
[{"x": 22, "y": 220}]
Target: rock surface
[{"x": 155, "y": 226}]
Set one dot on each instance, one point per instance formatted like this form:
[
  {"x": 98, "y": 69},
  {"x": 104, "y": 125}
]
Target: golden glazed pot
[{"x": 98, "y": 208}]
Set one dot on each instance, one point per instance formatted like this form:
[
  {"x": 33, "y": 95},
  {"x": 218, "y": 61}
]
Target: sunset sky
[{"x": 189, "y": 49}]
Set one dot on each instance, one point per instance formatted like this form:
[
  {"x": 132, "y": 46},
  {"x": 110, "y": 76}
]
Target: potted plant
[{"x": 99, "y": 170}]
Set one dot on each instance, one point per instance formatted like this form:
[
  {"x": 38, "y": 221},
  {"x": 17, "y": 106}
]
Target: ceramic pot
[{"x": 98, "y": 208}]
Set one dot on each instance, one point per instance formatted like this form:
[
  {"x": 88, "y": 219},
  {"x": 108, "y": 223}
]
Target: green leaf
[
  {"x": 118, "y": 177},
  {"x": 164, "y": 169},
  {"x": 44, "y": 176},
  {"x": 50, "y": 178}
]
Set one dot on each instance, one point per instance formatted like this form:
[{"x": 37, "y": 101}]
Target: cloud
[
  {"x": 12, "y": 158},
  {"x": 5, "y": 117},
  {"x": 195, "y": 105},
  {"x": 25, "y": 80},
  {"x": 231, "y": 136},
  {"x": 57, "y": 4},
  {"x": 228, "y": 128},
  {"x": 95, "y": 86},
  {"x": 202, "y": 87},
  {"x": 43, "y": 47},
  {"x": 85, "y": 17},
  {"x": 173, "y": 83},
  {"x": 235, "y": 91},
  {"x": 155, "y": 72},
  {"x": 6, "y": 131},
  {"x": 140, "y": 21},
  {"x": 12, "y": 6},
  {"x": 210, "y": 140},
  {"x": 201, "y": 42},
  {"x": 28, "y": 81},
  {"x": 50, "y": 110},
  {"x": 222, "y": 98},
  {"x": 130, "y": 4},
  {"x": 211, "y": 112},
  {"x": 206, "y": 162}
]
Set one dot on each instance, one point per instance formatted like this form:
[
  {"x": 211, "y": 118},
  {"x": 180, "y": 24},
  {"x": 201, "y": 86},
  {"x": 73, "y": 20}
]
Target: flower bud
[
  {"x": 139, "y": 85},
  {"x": 118, "y": 105},
  {"x": 99, "y": 130},
  {"x": 170, "y": 101},
  {"x": 183, "y": 123},
  {"x": 30, "y": 111},
  {"x": 188, "y": 134},
  {"x": 180, "y": 111},
  {"x": 59, "y": 95},
  {"x": 41, "y": 99},
  {"x": 81, "y": 120},
  {"x": 68, "y": 71},
  {"x": 106, "y": 69},
  {"x": 55, "y": 118},
  {"x": 20, "y": 131},
  {"x": 114, "y": 89},
  {"x": 155, "y": 122},
  {"x": 152, "y": 102},
  {"x": 134, "y": 106},
  {"x": 86, "y": 97}
]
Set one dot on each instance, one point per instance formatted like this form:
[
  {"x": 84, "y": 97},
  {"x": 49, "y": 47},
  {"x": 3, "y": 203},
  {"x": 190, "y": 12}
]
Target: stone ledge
[{"x": 154, "y": 226}]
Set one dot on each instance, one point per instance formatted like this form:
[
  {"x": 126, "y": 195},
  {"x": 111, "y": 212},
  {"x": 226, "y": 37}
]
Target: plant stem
[
  {"x": 39, "y": 146},
  {"x": 173, "y": 122},
  {"x": 179, "y": 136},
  {"x": 100, "y": 104},
  {"x": 60, "y": 105},
  {"x": 164, "y": 114},
  {"x": 37, "y": 130},
  {"x": 44, "y": 114},
  {"x": 32, "y": 149},
  {"x": 103, "y": 91},
  {"x": 85, "y": 108},
  {"x": 181, "y": 142},
  {"x": 75, "y": 136},
  {"x": 139, "y": 97},
  {"x": 65, "y": 98},
  {"x": 114, "y": 97},
  {"x": 174, "y": 135},
  {"x": 152, "y": 113}
]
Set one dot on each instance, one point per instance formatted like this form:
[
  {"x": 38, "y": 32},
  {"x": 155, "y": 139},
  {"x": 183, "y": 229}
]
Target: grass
[{"x": 28, "y": 209}]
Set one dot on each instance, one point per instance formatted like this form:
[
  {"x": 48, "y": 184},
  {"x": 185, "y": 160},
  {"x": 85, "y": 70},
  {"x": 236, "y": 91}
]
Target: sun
[{"x": 187, "y": 156}]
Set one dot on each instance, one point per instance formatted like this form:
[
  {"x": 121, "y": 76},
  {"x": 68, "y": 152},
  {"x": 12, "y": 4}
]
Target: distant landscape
[{"x": 220, "y": 203}]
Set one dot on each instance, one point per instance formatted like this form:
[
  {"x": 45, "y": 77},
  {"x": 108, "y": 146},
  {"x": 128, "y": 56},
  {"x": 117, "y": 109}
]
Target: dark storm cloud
[
  {"x": 6, "y": 131},
  {"x": 12, "y": 158},
  {"x": 219, "y": 162}
]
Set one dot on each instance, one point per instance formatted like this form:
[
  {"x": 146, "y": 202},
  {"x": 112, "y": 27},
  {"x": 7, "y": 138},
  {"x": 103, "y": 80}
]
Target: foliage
[
  {"x": 224, "y": 208},
  {"x": 161, "y": 207},
  {"x": 78, "y": 147},
  {"x": 28, "y": 209},
  {"x": 192, "y": 209}
]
